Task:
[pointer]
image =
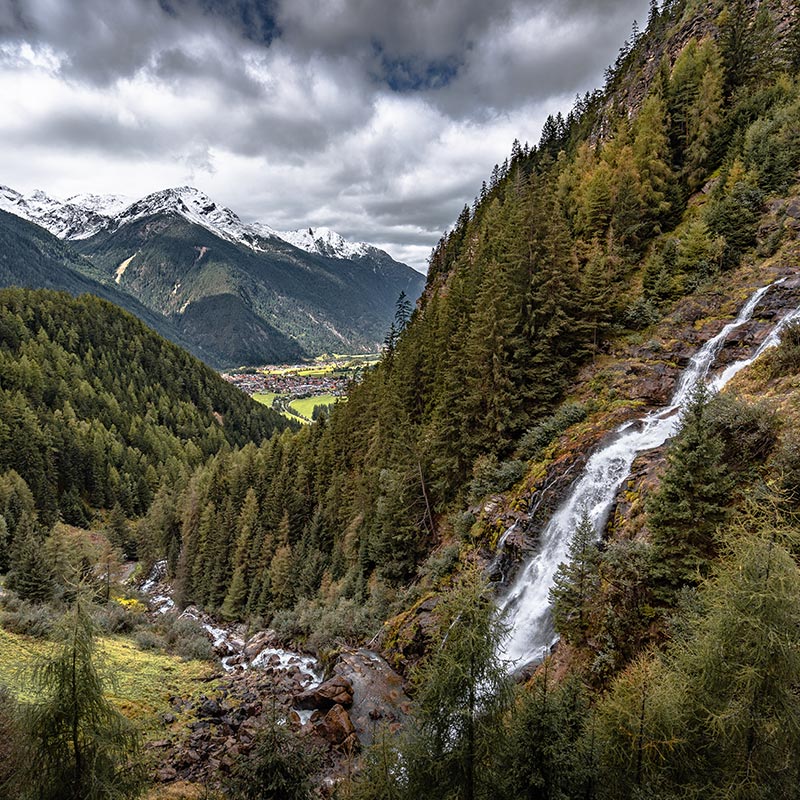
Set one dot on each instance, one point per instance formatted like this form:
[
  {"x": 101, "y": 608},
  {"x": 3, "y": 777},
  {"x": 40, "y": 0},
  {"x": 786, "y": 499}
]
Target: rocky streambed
[{"x": 259, "y": 681}]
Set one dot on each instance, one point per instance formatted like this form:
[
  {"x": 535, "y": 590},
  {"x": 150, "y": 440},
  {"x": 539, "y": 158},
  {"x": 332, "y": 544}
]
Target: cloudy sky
[{"x": 377, "y": 118}]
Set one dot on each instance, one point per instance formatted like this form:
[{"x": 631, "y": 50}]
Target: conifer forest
[{"x": 547, "y": 547}]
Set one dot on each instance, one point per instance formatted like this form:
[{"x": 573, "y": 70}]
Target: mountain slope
[
  {"x": 97, "y": 409},
  {"x": 279, "y": 302},
  {"x": 282, "y": 296},
  {"x": 33, "y": 258}
]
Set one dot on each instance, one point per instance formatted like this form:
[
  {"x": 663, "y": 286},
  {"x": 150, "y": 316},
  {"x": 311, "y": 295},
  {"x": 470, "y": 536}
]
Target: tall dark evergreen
[{"x": 691, "y": 502}]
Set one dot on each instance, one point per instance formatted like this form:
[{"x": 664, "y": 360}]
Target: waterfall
[{"x": 527, "y": 603}]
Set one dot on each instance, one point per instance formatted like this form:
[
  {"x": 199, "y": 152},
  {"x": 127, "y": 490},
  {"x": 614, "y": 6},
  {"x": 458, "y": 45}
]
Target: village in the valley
[{"x": 300, "y": 391}]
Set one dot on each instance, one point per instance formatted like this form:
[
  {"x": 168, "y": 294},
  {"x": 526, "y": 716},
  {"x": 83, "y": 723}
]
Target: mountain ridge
[
  {"x": 81, "y": 216},
  {"x": 240, "y": 293}
]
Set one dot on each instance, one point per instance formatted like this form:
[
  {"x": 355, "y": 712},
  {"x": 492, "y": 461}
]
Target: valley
[
  {"x": 296, "y": 390},
  {"x": 526, "y": 528}
]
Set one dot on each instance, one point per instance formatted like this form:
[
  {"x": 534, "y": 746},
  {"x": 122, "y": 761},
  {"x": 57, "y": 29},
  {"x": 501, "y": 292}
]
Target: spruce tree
[
  {"x": 575, "y": 583},
  {"x": 691, "y": 501},
  {"x": 30, "y": 575}
]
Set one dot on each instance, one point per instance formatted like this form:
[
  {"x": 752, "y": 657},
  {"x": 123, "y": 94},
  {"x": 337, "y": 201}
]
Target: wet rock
[
  {"x": 260, "y": 641},
  {"x": 335, "y": 727},
  {"x": 379, "y": 696},
  {"x": 336, "y": 691}
]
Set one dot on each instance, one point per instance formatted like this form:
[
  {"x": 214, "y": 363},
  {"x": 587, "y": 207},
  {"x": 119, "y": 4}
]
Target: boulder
[
  {"x": 379, "y": 697},
  {"x": 258, "y": 642},
  {"x": 335, "y": 727},
  {"x": 336, "y": 691}
]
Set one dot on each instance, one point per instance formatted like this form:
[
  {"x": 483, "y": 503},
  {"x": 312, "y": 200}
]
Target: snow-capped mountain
[
  {"x": 84, "y": 215},
  {"x": 326, "y": 242},
  {"x": 107, "y": 205},
  {"x": 77, "y": 217}
]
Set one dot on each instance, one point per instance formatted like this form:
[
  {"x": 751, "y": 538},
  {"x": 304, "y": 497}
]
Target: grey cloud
[{"x": 300, "y": 83}]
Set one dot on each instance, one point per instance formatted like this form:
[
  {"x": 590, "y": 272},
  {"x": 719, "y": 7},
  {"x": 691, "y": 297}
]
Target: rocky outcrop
[
  {"x": 336, "y": 728},
  {"x": 336, "y": 691},
  {"x": 379, "y": 697}
]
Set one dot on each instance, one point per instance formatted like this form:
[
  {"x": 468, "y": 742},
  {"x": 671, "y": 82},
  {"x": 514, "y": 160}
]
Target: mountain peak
[{"x": 81, "y": 216}]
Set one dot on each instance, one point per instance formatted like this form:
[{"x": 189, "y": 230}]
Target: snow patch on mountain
[
  {"x": 83, "y": 215},
  {"x": 326, "y": 242},
  {"x": 65, "y": 219}
]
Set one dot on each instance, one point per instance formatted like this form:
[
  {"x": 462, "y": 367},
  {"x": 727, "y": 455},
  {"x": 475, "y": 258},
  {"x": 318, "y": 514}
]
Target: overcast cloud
[{"x": 377, "y": 118}]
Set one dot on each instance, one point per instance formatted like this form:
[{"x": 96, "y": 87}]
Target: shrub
[
  {"x": 280, "y": 767},
  {"x": 540, "y": 436},
  {"x": 29, "y": 619},
  {"x": 490, "y": 477},
  {"x": 786, "y": 359},
  {"x": 149, "y": 640}
]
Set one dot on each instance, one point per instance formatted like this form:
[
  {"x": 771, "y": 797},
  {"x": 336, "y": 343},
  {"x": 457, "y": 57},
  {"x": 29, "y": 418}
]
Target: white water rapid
[{"x": 527, "y": 603}]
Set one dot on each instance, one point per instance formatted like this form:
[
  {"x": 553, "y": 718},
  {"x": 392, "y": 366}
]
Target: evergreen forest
[{"x": 565, "y": 301}]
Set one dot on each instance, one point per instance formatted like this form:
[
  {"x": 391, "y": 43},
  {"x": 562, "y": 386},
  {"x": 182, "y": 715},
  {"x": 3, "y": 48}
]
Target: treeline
[
  {"x": 97, "y": 411},
  {"x": 573, "y": 242}
]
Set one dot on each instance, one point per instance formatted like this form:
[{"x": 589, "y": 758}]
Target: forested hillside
[
  {"x": 578, "y": 242},
  {"x": 35, "y": 259},
  {"x": 567, "y": 302},
  {"x": 97, "y": 410}
]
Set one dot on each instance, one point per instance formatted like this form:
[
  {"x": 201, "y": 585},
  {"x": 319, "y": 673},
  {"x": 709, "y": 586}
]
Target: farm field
[{"x": 305, "y": 406}]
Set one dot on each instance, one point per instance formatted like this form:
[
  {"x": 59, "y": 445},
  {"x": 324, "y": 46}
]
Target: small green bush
[
  {"x": 28, "y": 619},
  {"x": 540, "y": 436},
  {"x": 149, "y": 640}
]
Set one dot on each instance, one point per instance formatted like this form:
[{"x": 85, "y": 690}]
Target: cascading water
[{"x": 527, "y": 603}]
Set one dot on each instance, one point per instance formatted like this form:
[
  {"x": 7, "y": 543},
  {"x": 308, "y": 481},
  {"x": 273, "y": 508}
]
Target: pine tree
[
  {"x": 248, "y": 530},
  {"x": 30, "y": 575},
  {"x": 280, "y": 569},
  {"x": 542, "y": 757},
  {"x": 705, "y": 117},
  {"x": 575, "y": 583},
  {"x": 82, "y": 748},
  {"x": 691, "y": 501}
]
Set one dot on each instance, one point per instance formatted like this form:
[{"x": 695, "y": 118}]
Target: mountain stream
[{"x": 527, "y": 602}]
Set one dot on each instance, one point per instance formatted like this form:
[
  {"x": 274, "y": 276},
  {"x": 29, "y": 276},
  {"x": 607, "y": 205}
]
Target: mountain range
[{"x": 238, "y": 293}]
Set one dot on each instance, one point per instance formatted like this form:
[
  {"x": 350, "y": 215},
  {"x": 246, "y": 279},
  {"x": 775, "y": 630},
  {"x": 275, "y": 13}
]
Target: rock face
[
  {"x": 336, "y": 728},
  {"x": 379, "y": 697}
]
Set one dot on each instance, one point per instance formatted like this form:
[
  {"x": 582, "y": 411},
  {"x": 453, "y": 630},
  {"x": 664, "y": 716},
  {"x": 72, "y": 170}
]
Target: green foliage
[
  {"x": 543, "y": 433},
  {"x": 92, "y": 403},
  {"x": 716, "y": 717},
  {"x": 691, "y": 501},
  {"x": 491, "y": 476},
  {"x": 542, "y": 754},
  {"x": 462, "y": 691},
  {"x": 576, "y": 582},
  {"x": 280, "y": 767},
  {"x": 12, "y": 747},
  {"x": 30, "y": 575},
  {"x": 785, "y": 359},
  {"x": 81, "y": 748}
]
